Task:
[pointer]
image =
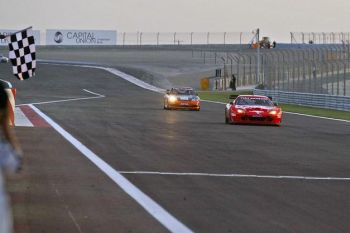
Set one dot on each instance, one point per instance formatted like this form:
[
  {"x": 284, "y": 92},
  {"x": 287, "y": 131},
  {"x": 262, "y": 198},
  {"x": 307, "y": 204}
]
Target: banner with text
[
  {"x": 81, "y": 37},
  {"x": 5, "y": 42}
]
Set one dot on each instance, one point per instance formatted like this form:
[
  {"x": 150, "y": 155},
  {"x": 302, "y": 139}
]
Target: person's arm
[{"x": 10, "y": 135}]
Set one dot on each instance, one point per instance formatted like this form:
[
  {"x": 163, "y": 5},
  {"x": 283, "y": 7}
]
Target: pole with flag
[{"x": 22, "y": 53}]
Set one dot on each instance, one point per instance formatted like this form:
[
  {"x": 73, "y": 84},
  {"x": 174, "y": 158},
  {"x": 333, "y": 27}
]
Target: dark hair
[{"x": 3, "y": 97}]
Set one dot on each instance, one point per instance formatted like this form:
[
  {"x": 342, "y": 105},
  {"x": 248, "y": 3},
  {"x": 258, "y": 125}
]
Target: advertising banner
[
  {"x": 4, "y": 42},
  {"x": 80, "y": 37}
]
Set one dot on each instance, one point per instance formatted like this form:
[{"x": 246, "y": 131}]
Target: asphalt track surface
[{"x": 59, "y": 190}]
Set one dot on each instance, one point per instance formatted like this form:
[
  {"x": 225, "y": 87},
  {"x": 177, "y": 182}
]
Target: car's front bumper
[{"x": 194, "y": 105}]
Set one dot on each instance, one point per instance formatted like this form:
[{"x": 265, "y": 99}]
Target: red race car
[{"x": 252, "y": 109}]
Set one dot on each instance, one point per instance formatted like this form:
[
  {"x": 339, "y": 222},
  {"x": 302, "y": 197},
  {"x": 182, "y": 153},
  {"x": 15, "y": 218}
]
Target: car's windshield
[
  {"x": 253, "y": 101},
  {"x": 182, "y": 92}
]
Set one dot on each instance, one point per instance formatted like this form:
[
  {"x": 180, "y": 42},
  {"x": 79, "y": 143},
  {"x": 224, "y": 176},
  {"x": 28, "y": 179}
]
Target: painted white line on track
[
  {"x": 320, "y": 117},
  {"x": 235, "y": 175},
  {"x": 126, "y": 77},
  {"x": 98, "y": 96},
  {"x": 214, "y": 102},
  {"x": 154, "y": 209},
  {"x": 21, "y": 119},
  {"x": 94, "y": 93}
]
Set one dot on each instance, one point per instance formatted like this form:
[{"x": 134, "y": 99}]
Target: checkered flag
[{"x": 22, "y": 54}]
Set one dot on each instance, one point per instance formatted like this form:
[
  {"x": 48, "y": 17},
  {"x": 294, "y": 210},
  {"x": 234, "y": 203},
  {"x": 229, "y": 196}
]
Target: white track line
[
  {"x": 214, "y": 102},
  {"x": 126, "y": 77},
  {"x": 154, "y": 209},
  {"x": 98, "y": 96},
  {"x": 94, "y": 93},
  {"x": 320, "y": 117},
  {"x": 21, "y": 119},
  {"x": 236, "y": 175}
]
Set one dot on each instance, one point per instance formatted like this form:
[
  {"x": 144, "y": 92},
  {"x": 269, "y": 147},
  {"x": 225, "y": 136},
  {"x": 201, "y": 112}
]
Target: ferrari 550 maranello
[
  {"x": 181, "y": 98},
  {"x": 252, "y": 109}
]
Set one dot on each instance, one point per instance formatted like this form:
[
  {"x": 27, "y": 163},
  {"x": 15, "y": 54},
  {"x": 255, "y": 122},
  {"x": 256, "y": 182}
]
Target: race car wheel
[{"x": 165, "y": 106}]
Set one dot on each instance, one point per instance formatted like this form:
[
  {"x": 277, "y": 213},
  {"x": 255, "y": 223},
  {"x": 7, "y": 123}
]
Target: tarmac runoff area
[
  {"x": 292, "y": 178},
  {"x": 161, "y": 68}
]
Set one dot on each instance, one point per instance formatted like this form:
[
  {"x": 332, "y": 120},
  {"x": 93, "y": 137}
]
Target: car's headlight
[
  {"x": 240, "y": 111},
  {"x": 172, "y": 99},
  {"x": 273, "y": 112}
]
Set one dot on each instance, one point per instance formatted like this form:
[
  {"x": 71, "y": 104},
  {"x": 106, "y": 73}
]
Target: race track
[{"x": 210, "y": 176}]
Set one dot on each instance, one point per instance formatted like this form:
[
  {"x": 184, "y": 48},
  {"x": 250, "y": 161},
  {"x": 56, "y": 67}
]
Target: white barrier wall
[
  {"x": 80, "y": 37},
  {"x": 4, "y": 42}
]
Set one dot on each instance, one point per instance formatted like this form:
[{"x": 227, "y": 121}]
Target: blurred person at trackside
[{"x": 10, "y": 154}]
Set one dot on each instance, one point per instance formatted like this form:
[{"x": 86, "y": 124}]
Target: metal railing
[
  {"x": 183, "y": 38},
  {"x": 319, "y": 37},
  {"x": 308, "y": 99},
  {"x": 315, "y": 69}
]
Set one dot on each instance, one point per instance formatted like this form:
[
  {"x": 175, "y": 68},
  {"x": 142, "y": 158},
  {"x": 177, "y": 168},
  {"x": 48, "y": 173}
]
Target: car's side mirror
[
  {"x": 231, "y": 102},
  {"x": 275, "y": 104}
]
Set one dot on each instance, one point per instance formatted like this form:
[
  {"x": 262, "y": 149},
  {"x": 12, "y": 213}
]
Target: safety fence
[
  {"x": 320, "y": 37},
  {"x": 184, "y": 38},
  {"x": 318, "y": 70},
  {"x": 308, "y": 99}
]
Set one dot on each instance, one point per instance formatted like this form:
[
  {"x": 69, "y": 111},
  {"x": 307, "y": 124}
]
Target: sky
[{"x": 275, "y": 18}]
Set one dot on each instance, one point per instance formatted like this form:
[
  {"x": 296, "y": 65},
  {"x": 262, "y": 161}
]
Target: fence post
[
  {"x": 140, "y": 38},
  {"x": 191, "y": 38},
  {"x": 258, "y": 55},
  {"x": 224, "y": 38},
  {"x": 158, "y": 40},
  {"x": 344, "y": 79}
]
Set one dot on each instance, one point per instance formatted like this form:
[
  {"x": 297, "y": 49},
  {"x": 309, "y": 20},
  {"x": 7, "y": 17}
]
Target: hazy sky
[{"x": 275, "y": 18}]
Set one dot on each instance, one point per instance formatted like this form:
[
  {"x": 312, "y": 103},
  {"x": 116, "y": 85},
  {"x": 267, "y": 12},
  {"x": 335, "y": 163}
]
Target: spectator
[
  {"x": 233, "y": 83},
  {"x": 9, "y": 160},
  {"x": 274, "y": 44}
]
